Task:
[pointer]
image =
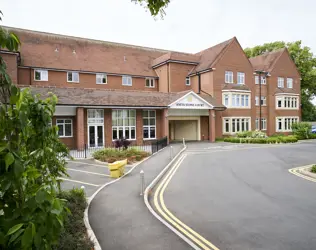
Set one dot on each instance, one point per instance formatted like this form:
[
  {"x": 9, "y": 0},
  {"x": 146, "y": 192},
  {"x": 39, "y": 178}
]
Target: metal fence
[{"x": 150, "y": 147}]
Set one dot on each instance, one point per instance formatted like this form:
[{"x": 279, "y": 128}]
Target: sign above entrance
[{"x": 190, "y": 101}]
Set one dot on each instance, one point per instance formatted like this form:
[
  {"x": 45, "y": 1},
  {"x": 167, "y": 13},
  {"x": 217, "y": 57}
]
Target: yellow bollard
[{"x": 117, "y": 168}]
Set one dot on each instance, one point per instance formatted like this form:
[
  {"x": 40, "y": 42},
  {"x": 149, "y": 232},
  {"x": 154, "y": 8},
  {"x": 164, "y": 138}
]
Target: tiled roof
[
  {"x": 177, "y": 56},
  {"x": 39, "y": 49},
  {"x": 266, "y": 61},
  {"x": 209, "y": 57},
  {"x": 98, "y": 97}
]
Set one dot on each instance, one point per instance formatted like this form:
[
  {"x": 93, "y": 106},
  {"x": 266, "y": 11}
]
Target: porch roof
[{"x": 101, "y": 97}]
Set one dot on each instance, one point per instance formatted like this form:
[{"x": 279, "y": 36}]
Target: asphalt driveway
[
  {"x": 243, "y": 197},
  {"x": 85, "y": 173}
]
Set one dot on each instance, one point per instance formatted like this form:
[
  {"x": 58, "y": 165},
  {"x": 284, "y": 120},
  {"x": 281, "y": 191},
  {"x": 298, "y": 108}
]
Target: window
[
  {"x": 257, "y": 100},
  {"x": 233, "y": 125},
  {"x": 229, "y": 77},
  {"x": 280, "y": 82},
  {"x": 101, "y": 79},
  {"x": 240, "y": 78},
  {"x": 263, "y": 80},
  {"x": 96, "y": 116},
  {"x": 287, "y": 102},
  {"x": 150, "y": 82},
  {"x": 263, "y": 124},
  {"x": 72, "y": 77},
  {"x": 263, "y": 101},
  {"x": 226, "y": 100},
  {"x": 187, "y": 81},
  {"x": 127, "y": 81},
  {"x": 124, "y": 124},
  {"x": 40, "y": 75},
  {"x": 284, "y": 124},
  {"x": 149, "y": 124},
  {"x": 236, "y": 100},
  {"x": 64, "y": 127},
  {"x": 289, "y": 82}
]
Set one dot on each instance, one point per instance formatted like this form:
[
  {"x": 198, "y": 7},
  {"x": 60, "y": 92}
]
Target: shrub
[
  {"x": 74, "y": 235},
  {"x": 277, "y": 135},
  {"x": 302, "y": 130},
  {"x": 219, "y": 139},
  {"x": 111, "y": 155},
  {"x": 244, "y": 134},
  {"x": 313, "y": 169},
  {"x": 122, "y": 143},
  {"x": 312, "y": 136},
  {"x": 251, "y": 134},
  {"x": 281, "y": 139}
]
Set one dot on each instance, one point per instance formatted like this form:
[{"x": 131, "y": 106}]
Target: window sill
[
  {"x": 150, "y": 87},
  {"x": 101, "y": 83},
  {"x": 237, "y": 107},
  {"x": 127, "y": 85},
  {"x": 40, "y": 80},
  {"x": 65, "y": 136},
  {"x": 113, "y": 140},
  {"x": 72, "y": 82},
  {"x": 149, "y": 139}
]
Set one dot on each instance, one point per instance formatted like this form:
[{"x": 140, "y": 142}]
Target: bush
[
  {"x": 302, "y": 130},
  {"x": 313, "y": 169},
  {"x": 111, "y": 155},
  {"x": 74, "y": 235},
  {"x": 281, "y": 139},
  {"x": 251, "y": 134},
  {"x": 219, "y": 139}
]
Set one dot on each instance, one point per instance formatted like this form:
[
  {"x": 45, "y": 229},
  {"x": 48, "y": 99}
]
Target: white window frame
[
  {"x": 263, "y": 101},
  {"x": 125, "y": 115},
  {"x": 148, "y": 117},
  {"x": 289, "y": 83},
  {"x": 100, "y": 77},
  {"x": 127, "y": 80},
  {"x": 43, "y": 75},
  {"x": 63, "y": 123},
  {"x": 226, "y": 100},
  {"x": 263, "y": 80},
  {"x": 240, "y": 122},
  {"x": 285, "y": 100},
  {"x": 187, "y": 81},
  {"x": 151, "y": 82},
  {"x": 72, "y": 76},
  {"x": 236, "y": 99},
  {"x": 286, "y": 122},
  {"x": 257, "y": 100},
  {"x": 280, "y": 82},
  {"x": 241, "y": 78},
  {"x": 229, "y": 77}
]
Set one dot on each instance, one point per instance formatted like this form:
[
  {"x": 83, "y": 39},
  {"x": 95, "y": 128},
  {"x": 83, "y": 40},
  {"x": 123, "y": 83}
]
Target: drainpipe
[{"x": 199, "y": 85}]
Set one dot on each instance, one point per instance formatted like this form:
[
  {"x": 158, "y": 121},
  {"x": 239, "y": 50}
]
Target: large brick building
[{"x": 109, "y": 90}]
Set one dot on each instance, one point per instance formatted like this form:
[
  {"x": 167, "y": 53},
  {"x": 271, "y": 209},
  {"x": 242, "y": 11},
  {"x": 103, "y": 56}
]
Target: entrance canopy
[{"x": 191, "y": 101}]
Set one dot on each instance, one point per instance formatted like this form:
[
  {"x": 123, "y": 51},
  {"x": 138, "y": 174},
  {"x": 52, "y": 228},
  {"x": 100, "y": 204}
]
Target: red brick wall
[
  {"x": 11, "y": 62},
  {"x": 70, "y": 142},
  {"x": 108, "y": 126},
  {"x": 178, "y": 73},
  {"x": 59, "y": 79},
  {"x": 81, "y": 140},
  {"x": 139, "y": 126},
  {"x": 204, "y": 127}
]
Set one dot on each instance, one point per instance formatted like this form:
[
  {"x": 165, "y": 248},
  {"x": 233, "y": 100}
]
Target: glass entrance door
[{"x": 95, "y": 136}]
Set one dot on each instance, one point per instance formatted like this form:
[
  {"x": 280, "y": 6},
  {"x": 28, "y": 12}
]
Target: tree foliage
[
  {"x": 305, "y": 62},
  {"x": 8, "y": 39},
  {"x": 32, "y": 158},
  {"x": 155, "y": 6}
]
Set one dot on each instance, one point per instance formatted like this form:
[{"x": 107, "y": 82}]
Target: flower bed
[
  {"x": 111, "y": 155},
  {"x": 258, "y": 137}
]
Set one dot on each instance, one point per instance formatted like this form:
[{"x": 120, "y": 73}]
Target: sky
[{"x": 188, "y": 26}]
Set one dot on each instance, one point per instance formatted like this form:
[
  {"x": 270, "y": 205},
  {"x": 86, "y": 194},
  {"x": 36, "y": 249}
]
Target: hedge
[
  {"x": 74, "y": 235},
  {"x": 269, "y": 140}
]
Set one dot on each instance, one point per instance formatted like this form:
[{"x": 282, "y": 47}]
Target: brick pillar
[
  {"x": 139, "y": 126},
  {"x": 212, "y": 132},
  {"x": 80, "y": 128},
  {"x": 107, "y": 127},
  {"x": 165, "y": 124}
]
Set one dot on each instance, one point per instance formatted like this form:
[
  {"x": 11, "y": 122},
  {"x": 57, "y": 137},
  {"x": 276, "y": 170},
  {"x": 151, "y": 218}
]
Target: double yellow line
[{"x": 159, "y": 203}]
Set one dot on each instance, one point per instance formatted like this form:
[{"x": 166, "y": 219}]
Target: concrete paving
[
  {"x": 120, "y": 218},
  {"x": 243, "y": 197}
]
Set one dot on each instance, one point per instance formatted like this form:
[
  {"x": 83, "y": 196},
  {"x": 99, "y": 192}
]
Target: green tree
[
  {"x": 155, "y": 6},
  {"x": 305, "y": 62},
  {"x": 8, "y": 40},
  {"x": 31, "y": 161}
]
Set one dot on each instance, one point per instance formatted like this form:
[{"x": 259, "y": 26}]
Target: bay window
[
  {"x": 236, "y": 100},
  {"x": 284, "y": 124},
  {"x": 232, "y": 125},
  {"x": 287, "y": 102},
  {"x": 124, "y": 124}
]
